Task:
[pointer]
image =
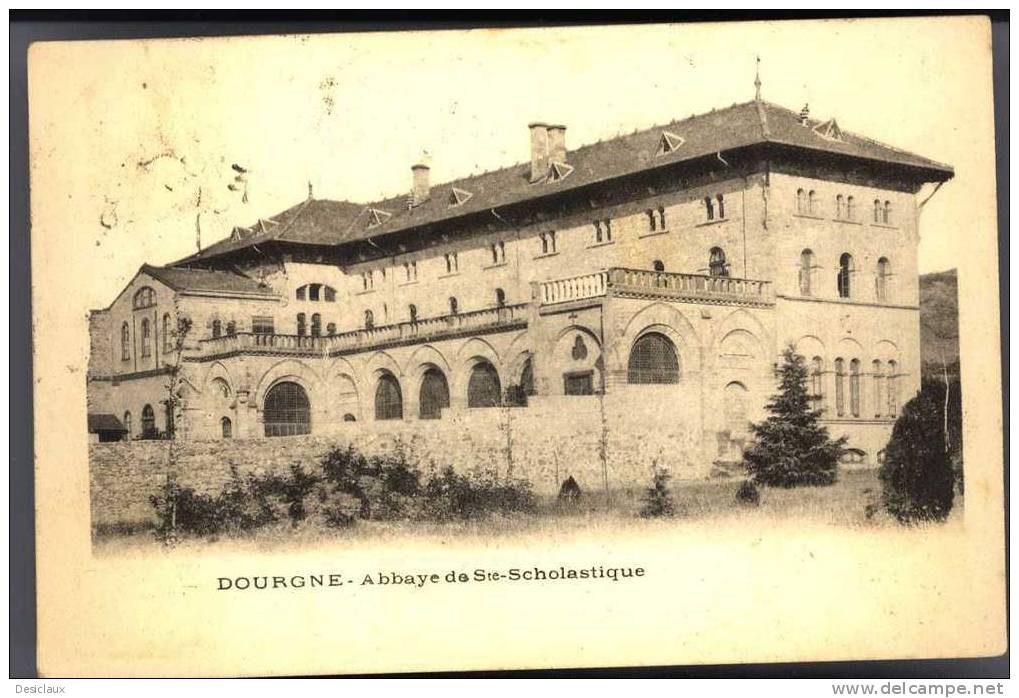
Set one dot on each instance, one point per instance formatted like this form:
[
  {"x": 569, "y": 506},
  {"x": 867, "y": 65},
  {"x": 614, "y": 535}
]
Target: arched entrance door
[{"x": 287, "y": 410}]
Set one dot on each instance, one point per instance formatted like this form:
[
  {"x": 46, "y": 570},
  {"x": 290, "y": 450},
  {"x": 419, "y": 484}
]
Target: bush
[
  {"x": 658, "y": 498},
  {"x": 451, "y": 496},
  {"x": 384, "y": 487},
  {"x": 747, "y": 494},
  {"x": 917, "y": 477},
  {"x": 791, "y": 448}
]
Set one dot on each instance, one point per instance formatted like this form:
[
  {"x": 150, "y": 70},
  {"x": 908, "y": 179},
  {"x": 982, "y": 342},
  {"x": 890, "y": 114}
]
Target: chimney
[
  {"x": 556, "y": 143},
  {"x": 539, "y": 151},
  {"x": 805, "y": 115},
  {"x": 420, "y": 189}
]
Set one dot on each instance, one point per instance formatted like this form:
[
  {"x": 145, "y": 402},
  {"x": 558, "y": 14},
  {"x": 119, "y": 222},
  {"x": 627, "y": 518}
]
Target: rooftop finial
[
  {"x": 311, "y": 194},
  {"x": 757, "y": 81}
]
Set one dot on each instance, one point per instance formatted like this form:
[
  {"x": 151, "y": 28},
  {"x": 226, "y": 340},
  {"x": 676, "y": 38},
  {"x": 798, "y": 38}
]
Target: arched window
[
  {"x": 801, "y": 201},
  {"x": 709, "y": 208},
  {"x": 453, "y": 305},
  {"x": 221, "y": 387},
  {"x": 231, "y": 328},
  {"x": 652, "y": 224},
  {"x": 227, "y": 428},
  {"x": 302, "y": 293},
  {"x": 878, "y": 211},
  {"x": 840, "y": 207},
  {"x": 893, "y": 389},
  {"x": 878, "y": 378},
  {"x": 812, "y": 202},
  {"x": 516, "y": 395},
  {"x": 125, "y": 342},
  {"x": 314, "y": 292},
  {"x": 127, "y": 426},
  {"x": 886, "y": 216},
  {"x": 817, "y": 382},
  {"x": 316, "y": 325},
  {"x": 302, "y": 325},
  {"x": 388, "y": 398},
  {"x": 806, "y": 271},
  {"x": 653, "y": 360},
  {"x": 329, "y": 294},
  {"x": 658, "y": 265},
  {"x": 148, "y": 422},
  {"x": 349, "y": 417},
  {"x": 146, "y": 337},
  {"x": 217, "y": 328},
  {"x": 434, "y": 394},
  {"x": 144, "y": 298},
  {"x": 287, "y": 411},
  {"x": 845, "y": 275},
  {"x": 369, "y": 320},
  {"x": 840, "y": 387},
  {"x": 854, "y": 387},
  {"x": 850, "y": 208},
  {"x": 483, "y": 387},
  {"x": 716, "y": 262},
  {"x": 412, "y": 310},
  {"x": 661, "y": 217},
  {"x": 884, "y": 271},
  {"x": 330, "y": 329},
  {"x": 721, "y": 206},
  {"x": 167, "y": 334},
  {"x": 500, "y": 298}
]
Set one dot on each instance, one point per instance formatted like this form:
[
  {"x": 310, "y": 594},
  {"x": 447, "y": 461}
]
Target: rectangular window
[
  {"x": 578, "y": 383},
  {"x": 262, "y": 324}
]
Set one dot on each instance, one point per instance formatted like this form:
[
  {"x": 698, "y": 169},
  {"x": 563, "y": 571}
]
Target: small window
[
  {"x": 369, "y": 320},
  {"x": 887, "y": 214},
  {"x": 878, "y": 377},
  {"x": 331, "y": 329},
  {"x": 854, "y": 387},
  {"x": 578, "y": 383},
  {"x": 602, "y": 230},
  {"x": 801, "y": 201},
  {"x": 893, "y": 389},
  {"x": 500, "y": 298},
  {"x": 316, "y": 325},
  {"x": 302, "y": 293},
  {"x": 721, "y": 206},
  {"x": 840, "y": 207},
  {"x": 717, "y": 266},
  {"x": 226, "y": 427},
  {"x": 231, "y": 328},
  {"x": 812, "y": 206},
  {"x": 548, "y": 242},
  {"x": 412, "y": 311},
  {"x": 658, "y": 265},
  {"x": 262, "y": 324},
  {"x": 146, "y": 338},
  {"x": 302, "y": 325},
  {"x": 845, "y": 275},
  {"x": 217, "y": 328},
  {"x": 661, "y": 218},
  {"x": 840, "y": 387},
  {"x": 127, "y": 426},
  {"x": 709, "y": 208},
  {"x": 878, "y": 211},
  {"x": 817, "y": 382},
  {"x": 806, "y": 271},
  {"x": 148, "y": 422},
  {"x": 652, "y": 222},
  {"x": 884, "y": 272},
  {"x": 329, "y": 293},
  {"x": 453, "y": 305},
  {"x": 144, "y": 298},
  {"x": 125, "y": 342},
  {"x": 850, "y": 208}
]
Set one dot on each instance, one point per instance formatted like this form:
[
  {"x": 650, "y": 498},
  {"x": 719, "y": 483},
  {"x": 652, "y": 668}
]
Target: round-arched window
[
  {"x": 653, "y": 360},
  {"x": 434, "y": 394},
  {"x": 388, "y": 398},
  {"x": 287, "y": 410},
  {"x": 483, "y": 388}
]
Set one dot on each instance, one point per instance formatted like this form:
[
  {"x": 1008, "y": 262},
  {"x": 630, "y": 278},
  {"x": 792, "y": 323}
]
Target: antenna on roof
[{"x": 757, "y": 81}]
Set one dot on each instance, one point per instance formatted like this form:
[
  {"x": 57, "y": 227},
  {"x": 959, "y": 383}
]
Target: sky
[{"x": 130, "y": 141}]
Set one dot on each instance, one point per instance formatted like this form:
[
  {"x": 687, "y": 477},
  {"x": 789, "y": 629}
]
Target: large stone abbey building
[{"x": 653, "y": 278}]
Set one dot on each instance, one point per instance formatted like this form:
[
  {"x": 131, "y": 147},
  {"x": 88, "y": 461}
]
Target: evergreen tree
[
  {"x": 917, "y": 477},
  {"x": 658, "y": 497},
  {"x": 791, "y": 448}
]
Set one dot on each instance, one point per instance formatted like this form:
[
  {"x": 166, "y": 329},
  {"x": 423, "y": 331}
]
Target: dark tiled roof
[
  {"x": 104, "y": 422},
  {"x": 741, "y": 125},
  {"x": 184, "y": 279}
]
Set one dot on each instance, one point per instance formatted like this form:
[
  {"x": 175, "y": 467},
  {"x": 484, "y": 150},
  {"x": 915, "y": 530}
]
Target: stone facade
[{"x": 706, "y": 272}]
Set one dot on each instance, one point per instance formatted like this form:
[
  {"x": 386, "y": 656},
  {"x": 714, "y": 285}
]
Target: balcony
[
  {"x": 641, "y": 283},
  {"x": 476, "y": 322}
]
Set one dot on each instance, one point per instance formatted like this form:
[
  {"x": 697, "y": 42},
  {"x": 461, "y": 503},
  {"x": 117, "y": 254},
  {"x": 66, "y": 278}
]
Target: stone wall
[{"x": 554, "y": 438}]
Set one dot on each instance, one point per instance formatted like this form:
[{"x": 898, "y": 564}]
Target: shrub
[
  {"x": 791, "y": 448},
  {"x": 917, "y": 477},
  {"x": 658, "y": 498},
  {"x": 747, "y": 494},
  {"x": 384, "y": 487},
  {"x": 450, "y": 496}
]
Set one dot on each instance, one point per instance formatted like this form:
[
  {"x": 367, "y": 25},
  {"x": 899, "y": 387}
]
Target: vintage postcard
[{"x": 562, "y": 347}]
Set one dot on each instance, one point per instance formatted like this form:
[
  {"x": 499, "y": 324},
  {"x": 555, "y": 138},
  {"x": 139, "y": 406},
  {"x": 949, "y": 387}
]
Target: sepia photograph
[{"x": 526, "y": 348}]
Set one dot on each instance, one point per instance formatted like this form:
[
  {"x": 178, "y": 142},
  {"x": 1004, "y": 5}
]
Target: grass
[{"x": 709, "y": 504}]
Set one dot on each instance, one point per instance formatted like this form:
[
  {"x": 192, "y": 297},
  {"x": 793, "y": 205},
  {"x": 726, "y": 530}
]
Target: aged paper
[{"x": 140, "y": 147}]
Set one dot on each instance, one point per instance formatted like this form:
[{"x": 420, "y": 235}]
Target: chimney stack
[
  {"x": 556, "y": 143},
  {"x": 539, "y": 151},
  {"x": 421, "y": 188},
  {"x": 805, "y": 115}
]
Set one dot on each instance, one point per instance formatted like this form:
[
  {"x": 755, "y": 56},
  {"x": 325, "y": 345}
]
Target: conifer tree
[{"x": 791, "y": 448}]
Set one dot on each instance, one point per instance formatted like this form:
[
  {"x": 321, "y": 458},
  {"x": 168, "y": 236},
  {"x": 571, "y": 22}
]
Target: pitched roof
[
  {"x": 104, "y": 422},
  {"x": 325, "y": 222},
  {"x": 185, "y": 279}
]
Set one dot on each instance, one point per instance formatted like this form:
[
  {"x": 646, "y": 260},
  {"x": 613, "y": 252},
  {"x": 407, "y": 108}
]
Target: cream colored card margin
[{"x": 784, "y": 593}]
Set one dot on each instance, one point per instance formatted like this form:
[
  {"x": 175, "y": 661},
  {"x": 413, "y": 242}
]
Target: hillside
[{"x": 939, "y": 321}]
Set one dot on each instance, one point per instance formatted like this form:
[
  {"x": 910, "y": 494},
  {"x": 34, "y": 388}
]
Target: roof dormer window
[
  {"x": 829, "y": 130},
  {"x": 668, "y": 143},
  {"x": 458, "y": 197},
  {"x": 559, "y": 170},
  {"x": 377, "y": 217}
]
